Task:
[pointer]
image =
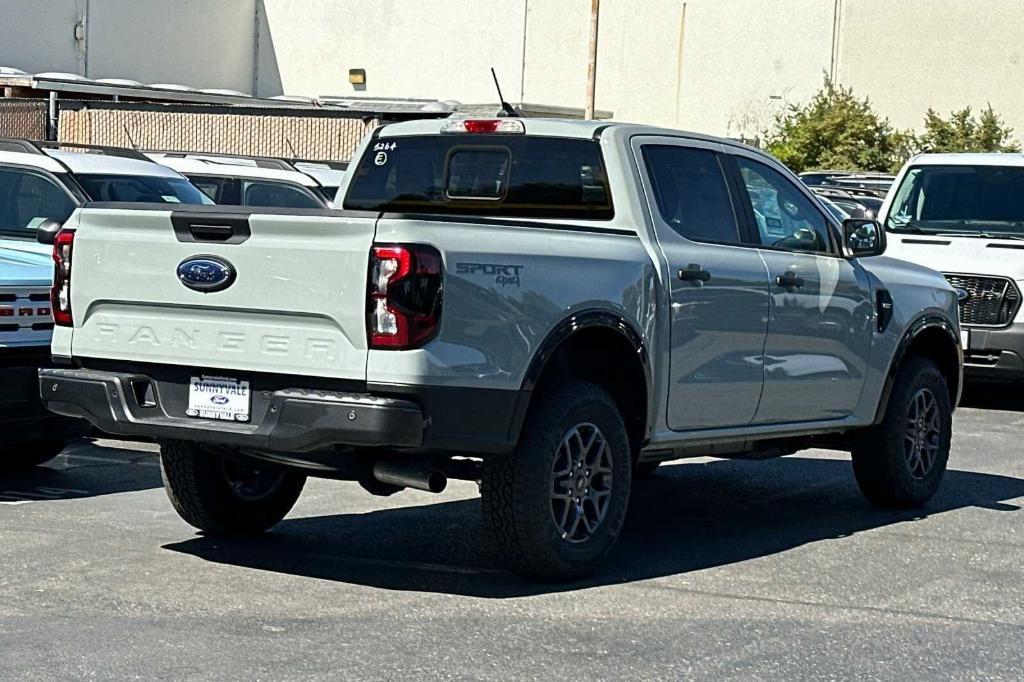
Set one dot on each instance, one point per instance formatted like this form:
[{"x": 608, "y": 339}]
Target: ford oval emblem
[
  {"x": 962, "y": 294},
  {"x": 206, "y": 273},
  {"x": 219, "y": 400}
]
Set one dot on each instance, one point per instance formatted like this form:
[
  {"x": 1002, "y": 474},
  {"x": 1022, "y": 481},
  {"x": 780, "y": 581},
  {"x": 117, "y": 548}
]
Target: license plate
[
  {"x": 218, "y": 398},
  {"x": 965, "y": 338}
]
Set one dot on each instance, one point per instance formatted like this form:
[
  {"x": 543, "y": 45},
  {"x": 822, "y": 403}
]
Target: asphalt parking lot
[{"x": 727, "y": 569}]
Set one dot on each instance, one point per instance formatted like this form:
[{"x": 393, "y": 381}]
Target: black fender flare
[
  {"x": 583, "y": 320},
  {"x": 916, "y": 328}
]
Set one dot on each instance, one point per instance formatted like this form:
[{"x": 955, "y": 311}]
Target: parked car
[
  {"x": 837, "y": 211},
  {"x": 822, "y": 177},
  {"x": 40, "y": 186},
  {"x": 328, "y": 173},
  {"x": 547, "y": 307},
  {"x": 878, "y": 183},
  {"x": 32, "y": 434},
  {"x": 72, "y": 174},
  {"x": 857, "y": 204},
  {"x": 247, "y": 181},
  {"x": 963, "y": 215}
]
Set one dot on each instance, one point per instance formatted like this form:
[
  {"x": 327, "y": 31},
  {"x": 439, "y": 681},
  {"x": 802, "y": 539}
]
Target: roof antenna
[
  {"x": 130, "y": 140},
  {"x": 507, "y": 110}
]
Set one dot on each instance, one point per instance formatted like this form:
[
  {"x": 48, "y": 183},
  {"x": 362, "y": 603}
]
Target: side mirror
[
  {"x": 47, "y": 231},
  {"x": 863, "y": 237}
]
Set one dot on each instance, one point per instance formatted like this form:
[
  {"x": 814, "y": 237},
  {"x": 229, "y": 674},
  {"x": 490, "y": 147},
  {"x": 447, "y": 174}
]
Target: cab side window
[
  {"x": 265, "y": 194},
  {"x": 785, "y": 218},
  {"x": 691, "y": 193},
  {"x": 27, "y": 199}
]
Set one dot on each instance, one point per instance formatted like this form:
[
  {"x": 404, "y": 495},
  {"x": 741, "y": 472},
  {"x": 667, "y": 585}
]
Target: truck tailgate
[{"x": 296, "y": 305}]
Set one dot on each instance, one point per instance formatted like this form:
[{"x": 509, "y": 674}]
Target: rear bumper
[
  {"x": 283, "y": 420},
  {"x": 995, "y": 354}
]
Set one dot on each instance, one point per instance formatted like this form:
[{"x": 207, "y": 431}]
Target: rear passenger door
[
  {"x": 821, "y": 326},
  {"x": 718, "y": 286}
]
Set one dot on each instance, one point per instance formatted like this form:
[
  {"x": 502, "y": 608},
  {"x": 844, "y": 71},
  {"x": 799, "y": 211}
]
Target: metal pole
[
  {"x": 52, "y": 117},
  {"x": 595, "y": 11}
]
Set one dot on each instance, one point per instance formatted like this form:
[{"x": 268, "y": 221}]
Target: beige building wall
[
  {"x": 722, "y": 66},
  {"x": 744, "y": 60},
  {"x": 718, "y": 66},
  {"x": 638, "y": 58},
  {"x": 436, "y": 49},
  {"x": 945, "y": 54},
  {"x": 40, "y": 35},
  {"x": 202, "y": 43}
]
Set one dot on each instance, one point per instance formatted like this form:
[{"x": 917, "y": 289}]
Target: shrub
[
  {"x": 836, "y": 130},
  {"x": 963, "y": 132}
]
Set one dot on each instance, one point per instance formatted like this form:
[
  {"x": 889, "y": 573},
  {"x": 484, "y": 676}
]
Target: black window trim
[
  {"x": 748, "y": 210},
  {"x": 230, "y": 187},
  {"x": 742, "y": 226}
]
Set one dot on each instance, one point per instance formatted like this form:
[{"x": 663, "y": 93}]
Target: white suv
[
  {"x": 247, "y": 181},
  {"x": 963, "y": 215}
]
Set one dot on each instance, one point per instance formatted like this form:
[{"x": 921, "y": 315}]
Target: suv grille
[
  {"x": 25, "y": 317},
  {"x": 991, "y": 301}
]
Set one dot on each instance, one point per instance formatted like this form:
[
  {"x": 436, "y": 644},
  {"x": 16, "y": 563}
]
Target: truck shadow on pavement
[
  {"x": 1001, "y": 397},
  {"x": 83, "y": 470},
  {"x": 685, "y": 518}
]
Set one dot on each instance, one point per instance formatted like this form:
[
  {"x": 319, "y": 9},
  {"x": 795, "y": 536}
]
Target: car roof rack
[
  {"x": 850, "y": 192},
  {"x": 102, "y": 149},
  {"x": 333, "y": 165},
  {"x": 15, "y": 144},
  {"x": 259, "y": 161}
]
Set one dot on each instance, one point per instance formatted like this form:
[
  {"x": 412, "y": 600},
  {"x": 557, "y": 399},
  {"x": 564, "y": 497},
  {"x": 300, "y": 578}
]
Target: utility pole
[{"x": 595, "y": 11}]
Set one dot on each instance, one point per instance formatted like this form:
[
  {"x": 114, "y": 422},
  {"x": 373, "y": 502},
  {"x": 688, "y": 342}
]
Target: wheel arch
[
  {"x": 933, "y": 337},
  {"x": 607, "y": 349}
]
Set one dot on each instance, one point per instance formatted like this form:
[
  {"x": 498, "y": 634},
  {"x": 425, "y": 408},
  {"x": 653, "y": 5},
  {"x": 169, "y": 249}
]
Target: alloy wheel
[
  {"x": 922, "y": 435},
  {"x": 581, "y": 483}
]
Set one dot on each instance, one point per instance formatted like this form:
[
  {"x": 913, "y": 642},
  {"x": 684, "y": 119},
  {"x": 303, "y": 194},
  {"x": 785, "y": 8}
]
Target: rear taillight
[
  {"x": 403, "y": 296},
  {"x": 60, "y": 292}
]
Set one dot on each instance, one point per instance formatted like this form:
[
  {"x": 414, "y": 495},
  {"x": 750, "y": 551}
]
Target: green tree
[
  {"x": 836, "y": 129},
  {"x": 963, "y": 132}
]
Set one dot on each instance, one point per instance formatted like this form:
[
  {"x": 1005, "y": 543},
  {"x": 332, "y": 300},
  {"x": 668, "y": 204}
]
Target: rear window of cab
[{"x": 485, "y": 174}]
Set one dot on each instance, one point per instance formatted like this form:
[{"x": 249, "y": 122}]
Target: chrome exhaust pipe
[{"x": 410, "y": 476}]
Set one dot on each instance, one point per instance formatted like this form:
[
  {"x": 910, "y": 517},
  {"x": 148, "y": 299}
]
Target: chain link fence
[
  {"x": 23, "y": 118},
  {"x": 314, "y": 135}
]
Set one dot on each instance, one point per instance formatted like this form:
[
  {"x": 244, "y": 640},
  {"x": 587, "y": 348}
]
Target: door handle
[
  {"x": 790, "y": 281},
  {"x": 694, "y": 274}
]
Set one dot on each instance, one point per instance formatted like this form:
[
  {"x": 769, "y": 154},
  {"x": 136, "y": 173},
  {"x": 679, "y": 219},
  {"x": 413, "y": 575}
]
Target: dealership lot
[{"x": 726, "y": 569}]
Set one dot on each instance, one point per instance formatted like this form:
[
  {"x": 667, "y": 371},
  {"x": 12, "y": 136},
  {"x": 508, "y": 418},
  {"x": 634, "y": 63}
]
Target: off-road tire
[
  {"x": 880, "y": 459},
  {"x": 516, "y": 489},
  {"x": 200, "y": 491},
  {"x": 24, "y": 455}
]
